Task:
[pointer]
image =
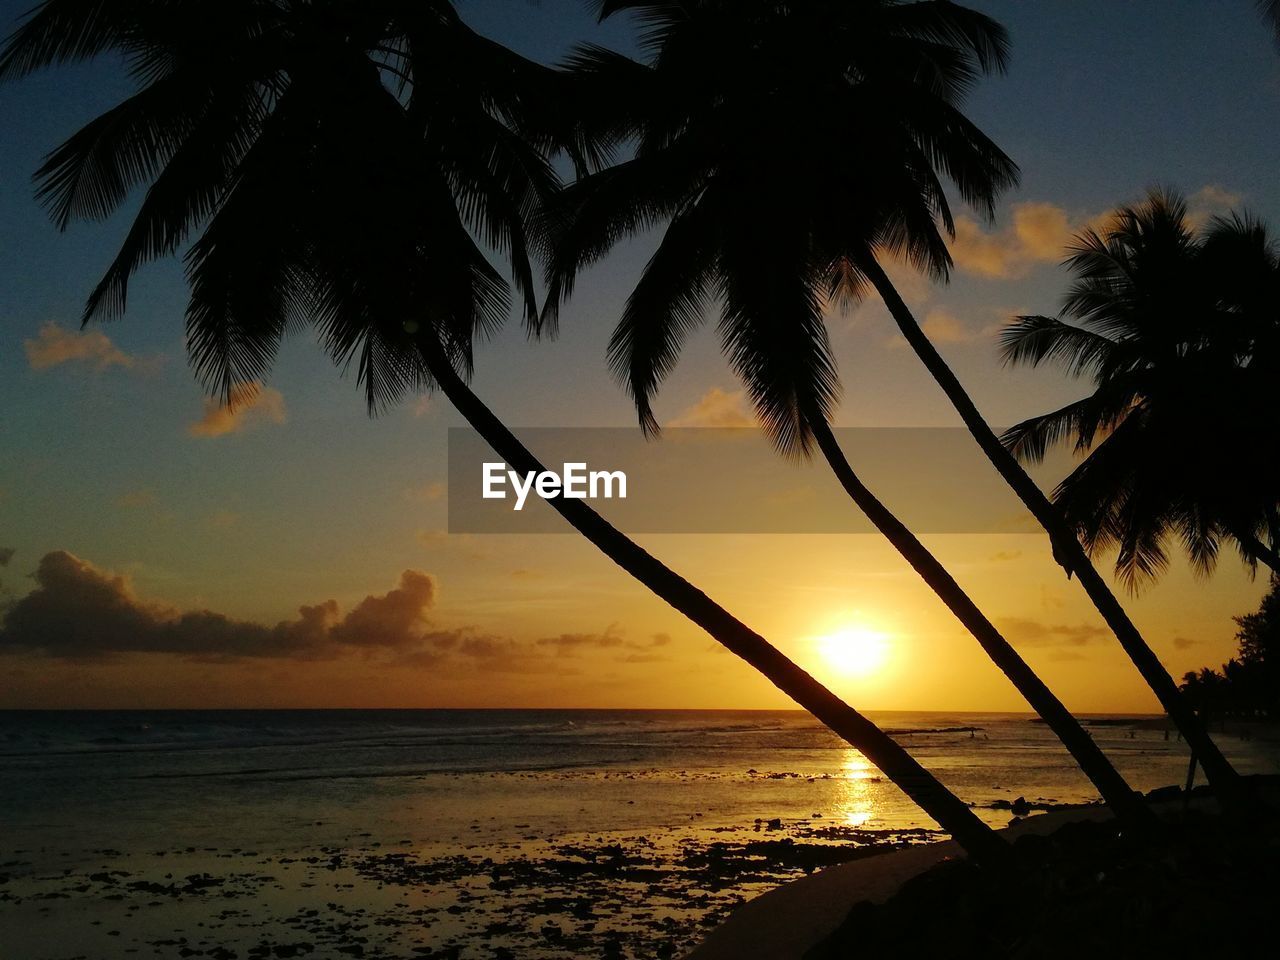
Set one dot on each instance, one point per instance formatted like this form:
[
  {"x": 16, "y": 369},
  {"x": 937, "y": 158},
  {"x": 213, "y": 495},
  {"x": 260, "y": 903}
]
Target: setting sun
[{"x": 855, "y": 650}]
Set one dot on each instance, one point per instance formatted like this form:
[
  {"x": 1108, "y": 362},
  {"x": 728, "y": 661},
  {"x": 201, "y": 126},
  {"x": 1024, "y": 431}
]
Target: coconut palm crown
[
  {"x": 1179, "y": 331},
  {"x": 333, "y": 163},
  {"x": 785, "y": 146}
]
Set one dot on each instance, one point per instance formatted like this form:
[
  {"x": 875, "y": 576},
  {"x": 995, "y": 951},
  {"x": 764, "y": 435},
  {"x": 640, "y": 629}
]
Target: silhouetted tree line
[{"x": 1248, "y": 685}]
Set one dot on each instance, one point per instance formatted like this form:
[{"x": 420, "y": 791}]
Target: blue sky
[{"x": 314, "y": 500}]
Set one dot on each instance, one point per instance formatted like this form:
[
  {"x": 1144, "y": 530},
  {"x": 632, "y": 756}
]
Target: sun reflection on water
[{"x": 857, "y": 804}]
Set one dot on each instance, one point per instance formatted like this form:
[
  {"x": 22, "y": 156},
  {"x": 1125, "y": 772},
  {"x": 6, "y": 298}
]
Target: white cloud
[
  {"x": 54, "y": 345},
  {"x": 717, "y": 408},
  {"x": 251, "y": 403}
]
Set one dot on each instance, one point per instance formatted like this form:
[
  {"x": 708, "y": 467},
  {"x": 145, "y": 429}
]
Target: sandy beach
[
  {"x": 548, "y": 835},
  {"x": 614, "y": 896}
]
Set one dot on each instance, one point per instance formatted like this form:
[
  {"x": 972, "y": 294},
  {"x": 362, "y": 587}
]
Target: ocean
[{"x": 543, "y": 833}]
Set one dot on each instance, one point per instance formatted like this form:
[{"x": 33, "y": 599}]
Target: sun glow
[{"x": 855, "y": 650}]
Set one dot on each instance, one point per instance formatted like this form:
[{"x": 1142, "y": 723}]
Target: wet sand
[{"x": 612, "y": 896}]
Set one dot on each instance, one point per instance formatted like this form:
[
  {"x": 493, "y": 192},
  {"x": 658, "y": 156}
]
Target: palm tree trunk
[
  {"x": 979, "y": 840},
  {"x": 1066, "y": 548},
  {"x": 1127, "y": 805},
  {"x": 1260, "y": 551}
]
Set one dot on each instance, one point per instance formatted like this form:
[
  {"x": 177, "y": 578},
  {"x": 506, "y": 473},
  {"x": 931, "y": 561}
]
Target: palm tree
[
  {"x": 1178, "y": 333},
  {"x": 334, "y": 163},
  {"x": 773, "y": 217},
  {"x": 1270, "y": 10},
  {"x": 752, "y": 114}
]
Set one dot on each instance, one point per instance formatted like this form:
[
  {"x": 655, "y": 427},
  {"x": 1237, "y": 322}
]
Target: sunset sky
[{"x": 318, "y": 534}]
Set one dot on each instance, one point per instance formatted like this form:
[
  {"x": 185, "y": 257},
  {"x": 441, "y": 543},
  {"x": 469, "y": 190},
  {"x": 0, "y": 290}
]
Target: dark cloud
[
  {"x": 395, "y": 619},
  {"x": 77, "y": 611},
  {"x": 613, "y": 637},
  {"x": 489, "y": 648},
  {"x": 80, "y": 612},
  {"x": 644, "y": 658},
  {"x": 566, "y": 644},
  {"x": 1182, "y": 643},
  {"x": 1033, "y": 633},
  {"x": 6, "y": 554}
]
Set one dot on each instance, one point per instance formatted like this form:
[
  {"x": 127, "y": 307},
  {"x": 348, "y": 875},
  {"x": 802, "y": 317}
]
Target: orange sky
[{"x": 294, "y": 554}]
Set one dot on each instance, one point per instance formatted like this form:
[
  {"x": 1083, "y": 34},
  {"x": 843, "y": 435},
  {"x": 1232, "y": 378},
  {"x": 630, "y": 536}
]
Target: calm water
[{"x": 281, "y": 780}]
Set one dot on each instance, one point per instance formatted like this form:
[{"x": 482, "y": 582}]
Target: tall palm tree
[
  {"x": 824, "y": 128},
  {"x": 771, "y": 216},
  {"x": 1178, "y": 332},
  {"x": 331, "y": 164}
]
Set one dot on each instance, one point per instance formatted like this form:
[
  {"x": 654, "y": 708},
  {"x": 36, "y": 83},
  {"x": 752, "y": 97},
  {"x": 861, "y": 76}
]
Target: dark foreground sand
[{"x": 786, "y": 922}]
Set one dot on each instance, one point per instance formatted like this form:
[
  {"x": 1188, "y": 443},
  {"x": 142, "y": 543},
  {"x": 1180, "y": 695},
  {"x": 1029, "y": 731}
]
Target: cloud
[
  {"x": 251, "y": 403},
  {"x": 135, "y": 499},
  {"x": 717, "y": 408},
  {"x": 567, "y": 644},
  {"x": 1210, "y": 201},
  {"x": 6, "y": 554},
  {"x": 395, "y": 619},
  {"x": 78, "y": 611},
  {"x": 82, "y": 613},
  {"x": 428, "y": 492},
  {"x": 1038, "y": 233},
  {"x": 55, "y": 345},
  {"x": 1183, "y": 643},
  {"x": 1025, "y": 632},
  {"x": 943, "y": 327},
  {"x": 644, "y": 658},
  {"x": 1006, "y": 556},
  {"x": 223, "y": 520},
  {"x": 613, "y": 638},
  {"x": 464, "y": 544}
]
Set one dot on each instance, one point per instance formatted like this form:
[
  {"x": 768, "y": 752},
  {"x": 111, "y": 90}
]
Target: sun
[{"x": 855, "y": 650}]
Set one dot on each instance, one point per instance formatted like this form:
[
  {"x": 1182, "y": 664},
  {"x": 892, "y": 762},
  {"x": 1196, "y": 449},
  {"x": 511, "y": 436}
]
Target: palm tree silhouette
[
  {"x": 1271, "y": 11},
  {"x": 773, "y": 216},
  {"x": 1178, "y": 333},
  {"x": 790, "y": 147},
  {"x": 332, "y": 161}
]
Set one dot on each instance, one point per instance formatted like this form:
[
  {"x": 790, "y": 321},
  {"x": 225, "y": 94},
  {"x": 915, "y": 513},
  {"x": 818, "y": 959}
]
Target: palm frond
[
  {"x": 1033, "y": 340},
  {"x": 668, "y": 303},
  {"x": 1271, "y": 10},
  {"x": 183, "y": 195},
  {"x": 956, "y": 27},
  {"x": 775, "y": 336},
  {"x": 68, "y": 31},
  {"x": 595, "y": 213},
  {"x": 1080, "y": 422},
  {"x": 90, "y": 174}
]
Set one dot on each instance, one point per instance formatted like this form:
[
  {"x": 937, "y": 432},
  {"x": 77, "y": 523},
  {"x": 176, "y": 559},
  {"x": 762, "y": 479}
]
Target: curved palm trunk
[
  {"x": 979, "y": 840},
  {"x": 1066, "y": 548},
  {"x": 1127, "y": 805},
  {"x": 1260, "y": 551}
]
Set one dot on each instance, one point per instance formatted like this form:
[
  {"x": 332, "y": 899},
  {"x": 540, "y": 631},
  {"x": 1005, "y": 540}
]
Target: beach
[{"x": 543, "y": 834}]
